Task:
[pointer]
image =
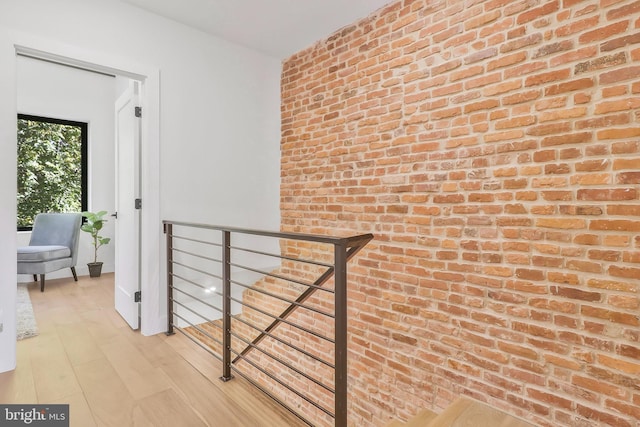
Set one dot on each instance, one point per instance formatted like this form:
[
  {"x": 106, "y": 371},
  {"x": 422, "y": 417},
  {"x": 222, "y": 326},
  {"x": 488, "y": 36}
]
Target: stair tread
[
  {"x": 422, "y": 418},
  {"x": 465, "y": 412}
]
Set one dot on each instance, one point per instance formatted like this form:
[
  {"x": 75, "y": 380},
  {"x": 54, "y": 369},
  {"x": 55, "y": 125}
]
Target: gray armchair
[{"x": 53, "y": 245}]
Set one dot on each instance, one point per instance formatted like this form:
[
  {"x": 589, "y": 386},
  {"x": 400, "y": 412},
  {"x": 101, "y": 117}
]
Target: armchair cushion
[
  {"x": 42, "y": 253},
  {"x": 53, "y": 245}
]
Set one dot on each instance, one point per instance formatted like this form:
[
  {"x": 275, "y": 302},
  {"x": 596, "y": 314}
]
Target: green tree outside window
[{"x": 50, "y": 167}]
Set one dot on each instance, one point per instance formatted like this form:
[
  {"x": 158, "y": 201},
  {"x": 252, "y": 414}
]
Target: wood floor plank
[
  {"x": 167, "y": 409},
  {"x": 154, "y": 348},
  {"x": 139, "y": 376},
  {"x": 79, "y": 411},
  {"x": 108, "y": 398},
  {"x": 79, "y": 344},
  {"x": 98, "y": 325},
  {"x": 18, "y": 386},
  {"x": 259, "y": 404},
  {"x": 52, "y": 372},
  {"x": 88, "y": 357},
  {"x": 208, "y": 365},
  {"x": 422, "y": 418},
  {"x": 201, "y": 394},
  {"x": 465, "y": 412}
]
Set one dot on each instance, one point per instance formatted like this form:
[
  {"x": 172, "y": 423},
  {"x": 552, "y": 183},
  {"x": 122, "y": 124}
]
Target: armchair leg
[
  {"x": 35, "y": 277},
  {"x": 42, "y": 283},
  {"x": 75, "y": 276}
]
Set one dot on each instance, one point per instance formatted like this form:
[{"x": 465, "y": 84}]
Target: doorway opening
[{"x": 143, "y": 239}]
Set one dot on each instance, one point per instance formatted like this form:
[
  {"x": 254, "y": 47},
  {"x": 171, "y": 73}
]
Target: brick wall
[{"x": 493, "y": 148}]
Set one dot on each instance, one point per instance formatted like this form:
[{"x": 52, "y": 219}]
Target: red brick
[
  {"x": 566, "y": 114},
  {"x": 597, "y": 386},
  {"x": 550, "y": 399},
  {"x": 600, "y": 63},
  {"x": 573, "y": 56},
  {"x": 549, "y": 129},
  {"x": 624, "y": 11},
  {"x": 628, "y": 178},
  {"x": 610, "y": 315},
  {"x": 548, "y": 77},
  {"x": 626, "y": 163},
  {"x": 569, "y": 86},
  {"x": 532, "y": 14},
  {"x": 606, "y": 194},
  {"x": 618, "y": 225},
  {"x": 578, "y": 294},
  {"x": 521, "y": 42},
  {"x": 522, "y": 97},
  {"x": 603, "y": 33},
  {"x": 619, "y": 75},
  {"x": 561, "y": 223},
  {"x": 624, "y": 272},
  {"x": 577, "y": 26},
  {"x": 620, "y": 42},
  {"x": 626, "y": 210},
  {"x": 506, "y": 60}
]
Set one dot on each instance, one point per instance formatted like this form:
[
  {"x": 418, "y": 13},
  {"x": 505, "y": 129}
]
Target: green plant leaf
[{"x": 93, "y": 226}]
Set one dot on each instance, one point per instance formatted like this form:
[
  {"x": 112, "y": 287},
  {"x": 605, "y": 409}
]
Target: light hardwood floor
[{"x": 88, "y": 357}]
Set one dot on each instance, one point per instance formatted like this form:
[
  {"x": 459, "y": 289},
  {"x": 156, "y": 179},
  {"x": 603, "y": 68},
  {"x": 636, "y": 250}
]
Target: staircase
[{"x": 464, "y": 412}]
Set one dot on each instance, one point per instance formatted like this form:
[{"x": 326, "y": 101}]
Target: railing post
[
  {"x": 340, "y": 256},
  {"x": 168, "y": 230},
  {"x": 226, "y": 306}
]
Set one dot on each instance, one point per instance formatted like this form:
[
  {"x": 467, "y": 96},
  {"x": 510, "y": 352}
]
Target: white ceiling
[{"x": 278, "y": 28}]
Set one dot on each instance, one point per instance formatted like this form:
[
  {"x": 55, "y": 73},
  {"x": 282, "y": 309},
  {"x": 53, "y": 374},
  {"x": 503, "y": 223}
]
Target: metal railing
[{"x": 283, "y": 328}]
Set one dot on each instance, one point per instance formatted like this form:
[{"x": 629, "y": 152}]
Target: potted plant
[{"x": 93, "y": 226}]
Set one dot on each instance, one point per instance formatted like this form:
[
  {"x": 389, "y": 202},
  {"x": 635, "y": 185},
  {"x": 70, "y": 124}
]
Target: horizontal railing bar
[
  {"x": 348, "y": 241},
  {"x": 302, "y": 260},
  {"x": 196, "y": 255},
  {"x": 262, "y": 291},
  {"x": 206, "y": 242},
  {"x": 197, "y": 328},
  {"x": 293, "y": 368},
  {"x": 272, "y": 396},
  {"x": 191, "y": 282},
  {"x": 195, "y": 284},
  {"x": 282, "y": 383},
  {"x": 288, "y": 279},
  {"x": 194, "y": 312},
  {"x": 208, "y": 350},
  {"x": 206, "y": 273},
  {"x": 302, "y": 328},
  {"x": 197, "y": 299},
  {"x": 288, "y": 344}
]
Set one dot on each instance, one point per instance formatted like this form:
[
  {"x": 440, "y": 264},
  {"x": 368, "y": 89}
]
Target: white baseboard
[{"x": 81, "y": 270}]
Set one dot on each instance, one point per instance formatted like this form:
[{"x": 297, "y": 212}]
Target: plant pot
[{"x": 95, "y": 269}]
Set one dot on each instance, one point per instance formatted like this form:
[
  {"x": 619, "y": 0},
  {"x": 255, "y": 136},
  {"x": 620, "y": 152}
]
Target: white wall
[
  {"x": 51, "y": 90},
  {"x": 219, "y": 117}
]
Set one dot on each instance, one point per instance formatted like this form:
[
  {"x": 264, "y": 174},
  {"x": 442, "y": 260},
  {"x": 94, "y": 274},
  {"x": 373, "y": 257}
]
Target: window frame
[{"x": 84, "y": 162}]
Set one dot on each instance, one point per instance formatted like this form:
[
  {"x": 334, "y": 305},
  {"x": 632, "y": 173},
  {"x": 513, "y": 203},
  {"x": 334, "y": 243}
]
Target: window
[{"x": 52, "y": 167}]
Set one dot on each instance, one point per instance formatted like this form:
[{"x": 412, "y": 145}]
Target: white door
[{"x": 127, "y": 220}]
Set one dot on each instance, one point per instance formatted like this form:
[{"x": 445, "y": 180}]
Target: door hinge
[
  {"x": 138, "y": 203},
  {"x": 137, "y": 297},
  {"x": 138, "y": 111}
]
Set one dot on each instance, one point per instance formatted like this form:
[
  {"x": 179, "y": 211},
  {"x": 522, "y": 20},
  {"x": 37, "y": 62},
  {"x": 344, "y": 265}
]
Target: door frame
[{"x": 153, "y": 306}]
